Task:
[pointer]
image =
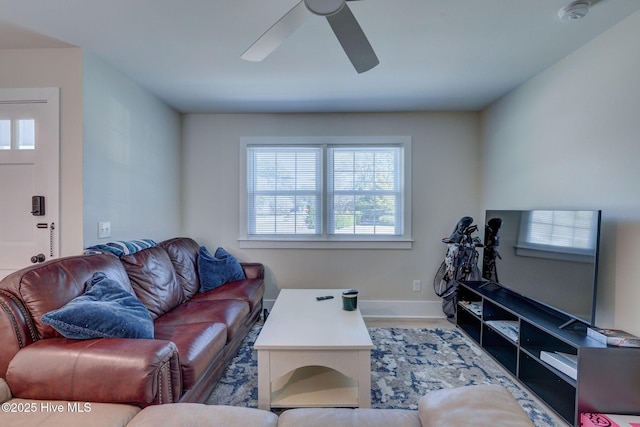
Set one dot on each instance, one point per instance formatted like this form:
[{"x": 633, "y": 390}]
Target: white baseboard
[{"x": 394, "y": 309}]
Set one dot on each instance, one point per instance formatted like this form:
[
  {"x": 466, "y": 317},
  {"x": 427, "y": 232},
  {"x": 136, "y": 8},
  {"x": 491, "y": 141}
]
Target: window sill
[
  {"x": 536, "y": 252},
  {"x": 324, "y": 244}
]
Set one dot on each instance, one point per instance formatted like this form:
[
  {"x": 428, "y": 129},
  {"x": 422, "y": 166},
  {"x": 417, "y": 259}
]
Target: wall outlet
[
  {"x": 417, "y": 286},
  {"x": 104, "y": 230}
]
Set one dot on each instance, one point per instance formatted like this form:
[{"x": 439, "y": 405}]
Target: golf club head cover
[
  {"x": 458, "y": 232},
  {"x": 491, "y": 232}
]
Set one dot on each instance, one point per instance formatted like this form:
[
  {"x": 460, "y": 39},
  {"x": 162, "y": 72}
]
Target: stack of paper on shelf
[
  {"x": 508, "y": 328},
  {"x": 475, "y": 307},
  {"x": 614, "y": 337},
  {"x": 564, "y": 362}
]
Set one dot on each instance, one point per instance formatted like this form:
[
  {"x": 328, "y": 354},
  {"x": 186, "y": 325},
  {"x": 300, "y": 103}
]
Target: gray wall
[
  {"x": 131, "y": 159},
  {"x": 26, "y": 68},
  {"x": 445, "y": 170},
  {"x": 569, "y": 138}
]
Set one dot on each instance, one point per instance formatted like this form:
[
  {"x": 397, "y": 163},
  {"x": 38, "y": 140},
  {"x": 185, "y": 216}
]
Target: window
[
  {"x": 326, "y": 192},
  {"x": 283, "y": 189},
  {"x": 558, "y": 234},
  {"x": 364, "y": 190}
]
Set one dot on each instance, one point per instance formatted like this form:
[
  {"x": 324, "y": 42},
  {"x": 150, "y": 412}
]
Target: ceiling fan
[{"x": 342, "y": 22}]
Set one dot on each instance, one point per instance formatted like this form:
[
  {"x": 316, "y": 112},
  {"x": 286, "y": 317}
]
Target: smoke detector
[{"x": 573, "y": 12}]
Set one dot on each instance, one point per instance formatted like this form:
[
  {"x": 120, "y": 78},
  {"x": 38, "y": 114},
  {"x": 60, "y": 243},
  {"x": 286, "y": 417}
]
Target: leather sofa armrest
[
  {"x": 113, "y": 370},
  {"x": 253, "y": 270},
  {"x": 5, "y": 392}
]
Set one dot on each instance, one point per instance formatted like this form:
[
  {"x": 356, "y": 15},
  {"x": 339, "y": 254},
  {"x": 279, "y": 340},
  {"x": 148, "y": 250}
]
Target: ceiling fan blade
[
  {"x": 353, "y": 40},
  {"x": 274, "y": 36}
]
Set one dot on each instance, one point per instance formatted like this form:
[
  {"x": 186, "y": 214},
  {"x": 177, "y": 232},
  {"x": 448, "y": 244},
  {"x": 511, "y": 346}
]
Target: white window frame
[{"x": 324, "y": 240}]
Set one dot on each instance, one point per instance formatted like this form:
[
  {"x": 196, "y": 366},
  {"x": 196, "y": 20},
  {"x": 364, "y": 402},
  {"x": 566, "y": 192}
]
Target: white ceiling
[{"x": 434, "y": 54}]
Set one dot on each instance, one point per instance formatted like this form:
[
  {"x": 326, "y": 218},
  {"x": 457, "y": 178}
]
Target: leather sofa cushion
[
  {"x": 154, "y": 280},
  {"x": 488, "y": 405},
  {"x": 197, "y": 414},
  {"x": 52, "y": 284},
  {"x": 231, "y": 313},
  {"x": 198, "y": 345},
  {"x": 249, "y": 290},
  {"x": 342, "y": 417},
  {"x": 183, "y": 253}
]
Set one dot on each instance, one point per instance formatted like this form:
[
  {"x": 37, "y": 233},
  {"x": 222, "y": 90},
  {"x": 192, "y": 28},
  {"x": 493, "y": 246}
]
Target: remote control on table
[{"x": 324, "y": 298}]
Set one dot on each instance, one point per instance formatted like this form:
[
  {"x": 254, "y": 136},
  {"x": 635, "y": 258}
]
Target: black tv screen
[{"x": 550, "y": 256}]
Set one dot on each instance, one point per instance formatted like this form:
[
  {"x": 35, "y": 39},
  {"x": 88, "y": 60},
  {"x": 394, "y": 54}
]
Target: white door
[{"x": 29, "y": 166}]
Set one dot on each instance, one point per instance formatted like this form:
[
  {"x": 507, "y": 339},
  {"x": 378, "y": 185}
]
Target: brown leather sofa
[{"x": 195, "y": 334}]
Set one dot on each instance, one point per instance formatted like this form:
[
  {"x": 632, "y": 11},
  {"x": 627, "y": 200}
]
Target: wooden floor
[{"x": 444, "y": 324}]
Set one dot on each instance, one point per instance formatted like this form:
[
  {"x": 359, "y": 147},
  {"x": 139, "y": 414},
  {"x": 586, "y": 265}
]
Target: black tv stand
[{"x": 515, "y": 330}]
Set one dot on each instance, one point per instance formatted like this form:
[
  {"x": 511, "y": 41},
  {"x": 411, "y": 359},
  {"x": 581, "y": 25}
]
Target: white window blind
[
  {"x": 284, "y": 190},
  {"x": 569, "y": 230},
  {"x": 562, "y": 235},
  {"x": 365, "y": 190}
]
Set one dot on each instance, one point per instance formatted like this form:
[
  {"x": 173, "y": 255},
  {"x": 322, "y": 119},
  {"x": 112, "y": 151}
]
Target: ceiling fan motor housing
[{"x": 324, "y": 7}]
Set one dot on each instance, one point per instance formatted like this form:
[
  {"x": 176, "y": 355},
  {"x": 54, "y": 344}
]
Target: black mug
[{"x": 350, "y": 300}]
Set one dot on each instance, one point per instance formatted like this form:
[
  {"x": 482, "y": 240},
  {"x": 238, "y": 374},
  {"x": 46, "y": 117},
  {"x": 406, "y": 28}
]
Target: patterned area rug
[{"x": 405, "y": 364}]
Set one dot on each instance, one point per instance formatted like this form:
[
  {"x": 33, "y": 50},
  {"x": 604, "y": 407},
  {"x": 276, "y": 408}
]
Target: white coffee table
[{"x": 313, "y": 353}]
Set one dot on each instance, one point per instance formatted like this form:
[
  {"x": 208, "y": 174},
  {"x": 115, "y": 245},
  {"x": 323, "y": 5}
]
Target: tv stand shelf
[{"x": 515, "y": 330}]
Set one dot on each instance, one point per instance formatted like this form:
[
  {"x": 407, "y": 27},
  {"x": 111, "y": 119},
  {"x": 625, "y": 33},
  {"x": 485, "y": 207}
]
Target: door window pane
[
  {"x": 5, "y": 134},
  {"x": 26, "y": 134}
]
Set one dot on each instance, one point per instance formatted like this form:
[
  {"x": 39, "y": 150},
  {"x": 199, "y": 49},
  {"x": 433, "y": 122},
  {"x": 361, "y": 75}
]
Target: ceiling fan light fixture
[
  {"x": 324, "y": 7},
  {"x": 574, "y": 11}
]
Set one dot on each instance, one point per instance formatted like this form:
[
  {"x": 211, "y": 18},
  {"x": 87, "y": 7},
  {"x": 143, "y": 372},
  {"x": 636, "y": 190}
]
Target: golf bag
[{"x": 460, "y": 263}]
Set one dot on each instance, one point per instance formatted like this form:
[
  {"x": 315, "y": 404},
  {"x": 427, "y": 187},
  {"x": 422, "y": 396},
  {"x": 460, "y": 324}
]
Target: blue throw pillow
[
  {"x": 120, "y": 248},
  {"x": 216, "y": 270},
  {"x": 105, "y": 310}
]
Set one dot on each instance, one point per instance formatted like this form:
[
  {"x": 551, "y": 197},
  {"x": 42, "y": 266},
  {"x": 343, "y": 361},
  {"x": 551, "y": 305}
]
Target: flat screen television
[{"x": 550, "y": 256}]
